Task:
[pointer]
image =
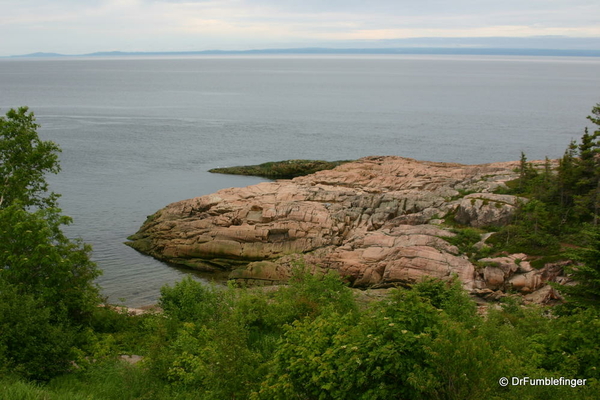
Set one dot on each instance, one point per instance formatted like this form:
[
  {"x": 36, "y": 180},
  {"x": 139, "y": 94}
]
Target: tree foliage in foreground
[
  {"x": 24, "y": 161},
  {"x": 47, "y": 292},
  {"x": 426, "y": 342},
  {"x": 39, "y": 260}
]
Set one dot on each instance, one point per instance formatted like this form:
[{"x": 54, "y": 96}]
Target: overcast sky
[{"x": 85, "y": 26}]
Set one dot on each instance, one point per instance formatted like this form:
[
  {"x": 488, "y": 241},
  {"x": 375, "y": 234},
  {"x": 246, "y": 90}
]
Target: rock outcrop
[
  {"x": 485, "y": 209},
  {"x": 377, "y": 221}
]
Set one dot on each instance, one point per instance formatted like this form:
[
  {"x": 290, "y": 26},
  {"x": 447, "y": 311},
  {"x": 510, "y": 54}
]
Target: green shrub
[
  {"x": 33, "y": 344},
  {"x": 464, "y": 239},
  {"x": 448, "y": 296},
  {"x": 189, "y": 301},
  {"x": 373, "y": 355},
  {"x": 465, "y": 364},
  {"x": 573, "y": 348},
  {"x": 337, "y": 357},
  {"x": 39, "y": 259},
  {"x": 309, "y": 295}
]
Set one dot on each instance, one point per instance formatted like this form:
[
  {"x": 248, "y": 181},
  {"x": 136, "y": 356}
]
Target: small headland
[{"x": 286, "y": 169}]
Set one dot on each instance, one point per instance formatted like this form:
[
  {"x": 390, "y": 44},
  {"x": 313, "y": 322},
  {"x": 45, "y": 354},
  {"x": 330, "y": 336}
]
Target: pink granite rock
[
  {"x": 487, "y": 209},
  {"x": 371, "y": 220}
]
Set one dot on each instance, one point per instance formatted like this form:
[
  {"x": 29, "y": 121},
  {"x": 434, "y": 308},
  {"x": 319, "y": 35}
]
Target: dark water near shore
[{"x": 138, "y": 134}]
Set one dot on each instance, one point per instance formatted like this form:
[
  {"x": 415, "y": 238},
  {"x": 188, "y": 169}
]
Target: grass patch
[
  {"x": 465, "y": 239},
  {"x": 281, "y": 169}
]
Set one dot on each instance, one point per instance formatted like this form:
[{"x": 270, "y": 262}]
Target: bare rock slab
[{"x": 372, "y": 220}]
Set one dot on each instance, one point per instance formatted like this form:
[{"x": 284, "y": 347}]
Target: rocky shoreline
[{"x": 378, "y": 221}]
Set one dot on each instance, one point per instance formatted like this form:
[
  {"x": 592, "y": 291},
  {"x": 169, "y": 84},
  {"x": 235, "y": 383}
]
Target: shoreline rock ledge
[{"x": 378, "y": 221}]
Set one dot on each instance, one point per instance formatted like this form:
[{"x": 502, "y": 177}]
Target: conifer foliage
[
  {"x": 578, "y": 186},
  {"x": 563, "y": 213},
  {"x": 571, "y": 193}
]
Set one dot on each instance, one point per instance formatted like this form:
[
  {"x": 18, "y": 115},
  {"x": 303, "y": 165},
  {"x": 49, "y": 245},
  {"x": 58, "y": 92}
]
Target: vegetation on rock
[{"x": 280, "y": 169}]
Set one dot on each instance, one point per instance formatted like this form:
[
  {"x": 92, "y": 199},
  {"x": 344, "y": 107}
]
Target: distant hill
[
  {"x": 41, "y": 55},
  {"x": 334, "y": 51}
]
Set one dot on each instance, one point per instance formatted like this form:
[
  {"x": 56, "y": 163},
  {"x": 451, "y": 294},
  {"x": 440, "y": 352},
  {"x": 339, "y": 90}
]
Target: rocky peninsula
[{"x": 378, "y": 221}]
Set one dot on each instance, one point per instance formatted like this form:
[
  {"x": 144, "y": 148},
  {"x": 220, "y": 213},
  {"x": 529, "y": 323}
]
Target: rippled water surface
[{"x": 138, "y": 134}]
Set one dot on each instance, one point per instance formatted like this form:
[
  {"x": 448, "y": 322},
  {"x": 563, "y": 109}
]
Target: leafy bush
[
  {"x": 190, "y": 301},
  {"x": 309, "y": 295},
  {"x": 218, "y": 340},
  {"x": 448, "y": 296},
  {"x": 338, "y": 356},
  {"x": 46, "y": 280},
  {"x": 32, "y": 343},
  {"x": 204, "y": 341},
  {"x": 573, "y": 347},
  {"x": 465, "y": 364},
  {"x": 39, "y": 259}
]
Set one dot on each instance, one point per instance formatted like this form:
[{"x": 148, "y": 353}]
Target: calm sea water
[{"x": 138, "y": 134}]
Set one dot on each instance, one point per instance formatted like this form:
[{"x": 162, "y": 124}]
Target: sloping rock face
[
  {"x": 485, "y": 209},
  {"x": 375, "y": 220}
]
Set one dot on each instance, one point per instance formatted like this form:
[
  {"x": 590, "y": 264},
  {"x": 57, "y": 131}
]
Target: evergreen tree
[
  {"x": 586, "y": 272},
  {"x": 578, "y": 177}
]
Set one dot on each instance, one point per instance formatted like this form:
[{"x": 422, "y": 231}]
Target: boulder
[
  {"x": 487, "y": 209},
  {"x": 545, "y": 295},
  {"x": 514, "y": 272}
]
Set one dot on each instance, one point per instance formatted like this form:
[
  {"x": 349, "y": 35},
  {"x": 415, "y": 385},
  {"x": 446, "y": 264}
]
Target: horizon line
[{"x": 333, "y": 51}]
